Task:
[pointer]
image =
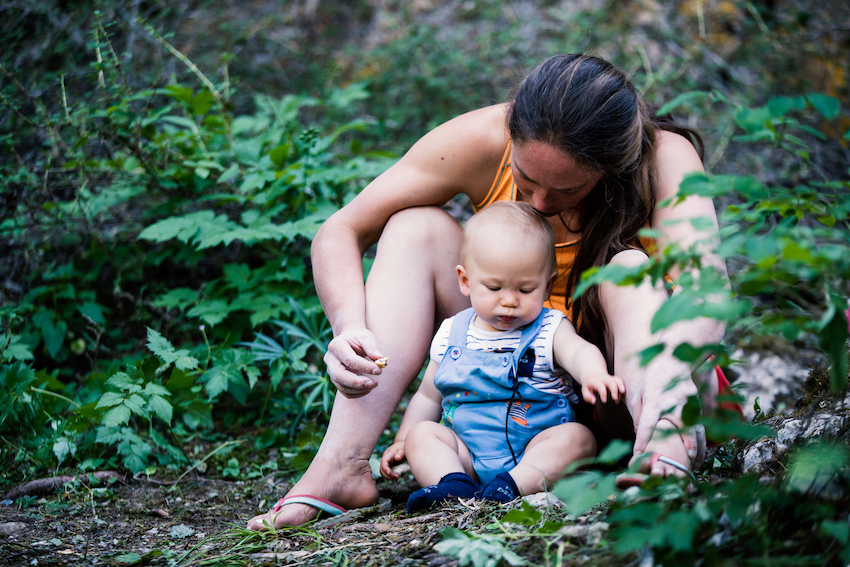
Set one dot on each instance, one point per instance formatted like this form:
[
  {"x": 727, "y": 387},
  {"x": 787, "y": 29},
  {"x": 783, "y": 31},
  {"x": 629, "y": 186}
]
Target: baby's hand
[
  {"x": 393, "y": 456},
  {"x": 599, "y": 385}
]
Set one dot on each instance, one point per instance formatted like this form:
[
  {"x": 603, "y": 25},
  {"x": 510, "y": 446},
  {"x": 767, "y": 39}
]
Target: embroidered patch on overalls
[{"x": 519, "y": 412}]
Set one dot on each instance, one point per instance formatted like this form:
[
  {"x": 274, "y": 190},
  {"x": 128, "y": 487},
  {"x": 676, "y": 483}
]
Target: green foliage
[
  {"x": 788, "y": 245},
  {"x": 478, "y": 551}
]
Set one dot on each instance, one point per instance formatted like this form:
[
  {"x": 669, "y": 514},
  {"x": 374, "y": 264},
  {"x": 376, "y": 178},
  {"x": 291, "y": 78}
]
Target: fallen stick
[{"x": 47, "y": 485}]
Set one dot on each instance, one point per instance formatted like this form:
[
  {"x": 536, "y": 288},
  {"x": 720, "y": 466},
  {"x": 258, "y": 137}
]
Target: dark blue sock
[
  {"x": 501, "y": 489},
  {"x": 453, "y": 485}
]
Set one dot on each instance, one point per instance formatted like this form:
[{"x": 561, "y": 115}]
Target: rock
[
  {"x": 595, "y": 533},
  {"x": 574, "y": 531},
  {"x": 540, "y": 499},
  {"x": 757, "y": 457},
  {"x": 777, "y": 382},
  {"x": 13, "y": 528}
]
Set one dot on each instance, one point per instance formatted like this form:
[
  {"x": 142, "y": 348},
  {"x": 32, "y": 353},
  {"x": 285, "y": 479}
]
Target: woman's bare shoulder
[
  {"x": 464, "y": 151},
  {"x": 675, "y": 157}
]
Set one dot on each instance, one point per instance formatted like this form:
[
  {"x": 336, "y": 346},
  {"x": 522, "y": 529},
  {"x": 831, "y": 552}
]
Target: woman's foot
[
  {"x": 349, "y": 485},
  {"x": 669, "y": 441}
]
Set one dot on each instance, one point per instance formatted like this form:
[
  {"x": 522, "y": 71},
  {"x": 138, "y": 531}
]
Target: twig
[{"x": 46, "y": 485}]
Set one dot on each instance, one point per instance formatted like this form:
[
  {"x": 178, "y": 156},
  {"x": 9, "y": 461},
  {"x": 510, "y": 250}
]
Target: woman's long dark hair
[{"x": 589, "y": 109}]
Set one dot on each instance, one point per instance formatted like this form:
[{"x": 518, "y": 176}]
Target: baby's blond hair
[{"x": 520, "y": 218}]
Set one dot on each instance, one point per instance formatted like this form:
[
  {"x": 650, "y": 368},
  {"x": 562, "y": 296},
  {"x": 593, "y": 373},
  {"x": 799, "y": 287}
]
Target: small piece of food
[{"x": 382, "y": 362}]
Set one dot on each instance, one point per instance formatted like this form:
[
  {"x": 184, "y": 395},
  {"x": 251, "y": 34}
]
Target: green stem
[{"x": 55, "y": 395}]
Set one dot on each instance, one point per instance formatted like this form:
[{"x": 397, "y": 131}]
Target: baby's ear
[{"x": 462, "y": 280}]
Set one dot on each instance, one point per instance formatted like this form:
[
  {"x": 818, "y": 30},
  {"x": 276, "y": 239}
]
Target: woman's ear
[{"x": 462, "y": 280}]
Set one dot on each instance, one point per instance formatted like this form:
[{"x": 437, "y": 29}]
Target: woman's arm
[{"x": 460, "y": 156}]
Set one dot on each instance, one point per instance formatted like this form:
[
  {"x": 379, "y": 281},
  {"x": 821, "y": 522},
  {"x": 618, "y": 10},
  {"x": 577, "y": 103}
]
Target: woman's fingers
[{"x": 351, "y": 365}]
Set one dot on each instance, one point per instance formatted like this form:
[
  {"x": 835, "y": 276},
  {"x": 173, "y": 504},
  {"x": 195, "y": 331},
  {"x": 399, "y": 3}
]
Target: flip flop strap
[
  {"x": 678, "y": 465},
  {"x": 313, "y": 501}
]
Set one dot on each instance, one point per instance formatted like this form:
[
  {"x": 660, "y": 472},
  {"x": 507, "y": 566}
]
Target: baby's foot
[
  {"x": 453, "y": 485},
  {"x": 501, "y": 489}
]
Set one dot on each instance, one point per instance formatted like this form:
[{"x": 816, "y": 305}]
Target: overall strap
[
  {"x": 528, "y": 334},
  {"x": 460, "y": 327}
]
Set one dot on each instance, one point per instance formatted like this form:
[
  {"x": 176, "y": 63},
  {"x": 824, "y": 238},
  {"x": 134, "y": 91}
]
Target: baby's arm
[
  {"x": 425, "y": 405},
  {"x": 586, "y": 364}
]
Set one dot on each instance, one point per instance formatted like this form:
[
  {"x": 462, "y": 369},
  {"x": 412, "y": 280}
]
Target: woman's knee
[
  {"x": 421, "y": 227},
  {"x": 629, "y": 258}
]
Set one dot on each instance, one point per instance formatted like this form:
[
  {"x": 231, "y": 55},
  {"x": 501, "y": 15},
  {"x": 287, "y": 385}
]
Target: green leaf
[
  {"x": 121, "y": 381},
  {"x": 15, "y": 350},
  {"x": 279, "y": 154},
  {"x": 527, "y": 516},
  {"x": 678, "y": 308},
  {"x": 202, "y": 102},
  {"x": 649, "y": 353},
  {"x": 180, "y": 298},
  {"x": 211, "y": 312},
  {"x": 161, "y": 407},
  {"x": 780, "y": 106},
  {"x": 827, "y": 106},
  {"x": 93, "y": 311},
  {"x": 837, "y": 530},
  {"x": 118, "y": 415},
  {"x": 156, "y": 389},
  {"x": 585, "y": 490},
  {"x": 128, "y": 558},
  {"x": 63, "y": 447},
  {"x": 615, "y": 450},
  {"x": 681, "y": 100},
  {"x": 692, "y": 411},
  {"x": 158, "y": 344},
  {"x": 52, "y": 333},
  {"x": 183, "y": 94},
  {"x": 181, "y": 228},
  {"x": 109, "y": 399}
]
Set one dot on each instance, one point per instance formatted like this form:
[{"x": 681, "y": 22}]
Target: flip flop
[
  {"x": 314, "y": 501},
  {"x": 629, "y": 479}
]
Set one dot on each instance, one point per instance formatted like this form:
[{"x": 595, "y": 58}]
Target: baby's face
[{"x": 507, "y": 281}]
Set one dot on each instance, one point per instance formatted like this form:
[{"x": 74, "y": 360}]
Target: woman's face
[{"x": 549, "y": 178}]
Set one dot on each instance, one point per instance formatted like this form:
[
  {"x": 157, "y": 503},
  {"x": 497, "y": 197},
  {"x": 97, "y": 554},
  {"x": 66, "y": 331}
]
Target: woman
[{"x": 578, "y": 143}]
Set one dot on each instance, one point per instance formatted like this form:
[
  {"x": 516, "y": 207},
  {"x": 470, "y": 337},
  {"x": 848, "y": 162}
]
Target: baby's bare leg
[
  {"x": 433, "y": 451},
  {"x": 549, "y": 453}
]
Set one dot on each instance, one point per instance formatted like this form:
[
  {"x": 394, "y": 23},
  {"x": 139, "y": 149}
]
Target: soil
[{"x": 201, "y": 521}]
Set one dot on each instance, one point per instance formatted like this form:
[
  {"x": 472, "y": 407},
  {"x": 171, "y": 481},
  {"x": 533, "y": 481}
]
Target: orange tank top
[{"x": 504, "y": 189}]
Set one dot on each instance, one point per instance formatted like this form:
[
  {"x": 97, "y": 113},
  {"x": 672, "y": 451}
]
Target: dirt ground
[{"x": 200, "y": 521}]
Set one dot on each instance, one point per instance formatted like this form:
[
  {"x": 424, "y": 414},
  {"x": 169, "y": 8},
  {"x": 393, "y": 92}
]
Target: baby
[{"x": 501, "y": 373}]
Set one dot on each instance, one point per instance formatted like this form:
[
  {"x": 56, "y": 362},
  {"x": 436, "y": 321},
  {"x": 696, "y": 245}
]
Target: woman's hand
[
  {"x": 394, "y": 455},
  {"x": 351, "y": 364},
  {"x": 659, "y": 401}
]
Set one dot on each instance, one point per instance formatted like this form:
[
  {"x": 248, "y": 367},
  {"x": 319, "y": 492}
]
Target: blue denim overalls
[{"x": 495, "y": 413}]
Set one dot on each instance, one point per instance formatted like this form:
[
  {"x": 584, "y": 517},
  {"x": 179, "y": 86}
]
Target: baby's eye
[
  {"x": 493, "y": 288},
  {"x": 526, "y": 291}
]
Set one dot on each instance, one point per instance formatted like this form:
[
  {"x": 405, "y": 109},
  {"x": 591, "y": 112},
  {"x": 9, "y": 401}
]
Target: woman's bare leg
[
  {"x": 665, "y": 383},
  {"x": 411, "y": 285}
]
